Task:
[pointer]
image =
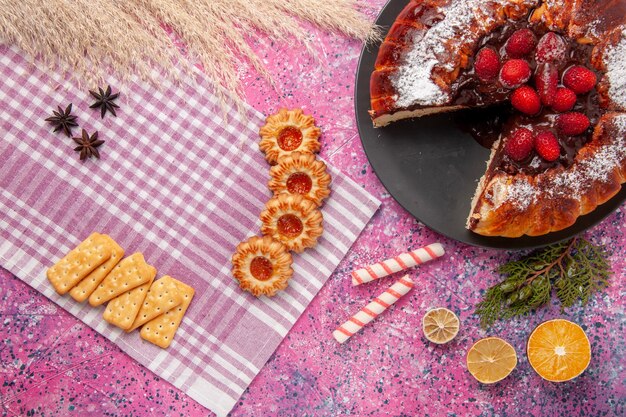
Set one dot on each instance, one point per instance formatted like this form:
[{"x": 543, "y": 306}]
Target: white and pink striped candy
[
  {"x": 373, "y": 309},
  {"x": 398, "y": 263}
]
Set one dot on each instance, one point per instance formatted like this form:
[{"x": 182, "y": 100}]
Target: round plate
[{"x": 431, "y": 167}]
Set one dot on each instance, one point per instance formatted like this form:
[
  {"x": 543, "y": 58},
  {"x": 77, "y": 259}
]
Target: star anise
[
  {"x": 87, "y": 145},
  {"x": 104, "y": 100},
  {"x": 63, "y": 120}
]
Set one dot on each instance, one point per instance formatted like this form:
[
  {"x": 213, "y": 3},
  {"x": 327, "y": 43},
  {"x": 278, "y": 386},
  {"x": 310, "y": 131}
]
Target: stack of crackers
[{"x": 95, "y": 270}]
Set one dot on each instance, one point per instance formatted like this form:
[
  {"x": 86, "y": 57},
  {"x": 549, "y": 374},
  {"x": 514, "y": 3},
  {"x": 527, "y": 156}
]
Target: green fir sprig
[{"x": 572, "y": 270}]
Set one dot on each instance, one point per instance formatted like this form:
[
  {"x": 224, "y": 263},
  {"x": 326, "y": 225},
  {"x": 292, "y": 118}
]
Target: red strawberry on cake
[
  {"x": 551, "y": 48},
  {"x": 564, "y": 100},
  {"x": 521, "y": 43},
  {"x": 514, "y": 73},
  {"x": 547, "y": 146},
  {"x": 579, "y": 79},
  {"x": 487, "y": 64},
  {"x": 572, "y": 124},
  {"x": 520, "y": 144},
  {"x": 546, "y": 81},
  {"x": 526, "y": 100}
]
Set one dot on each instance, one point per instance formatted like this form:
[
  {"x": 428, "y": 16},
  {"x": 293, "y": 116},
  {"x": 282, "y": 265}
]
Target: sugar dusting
[
  {"x": 414, "y": 85},
  {"x": 521, "y": 194},
  {"x": 616, "y": 71},
  {"x": 593, "y": 28},
  {"x": 576, "y": 180}
]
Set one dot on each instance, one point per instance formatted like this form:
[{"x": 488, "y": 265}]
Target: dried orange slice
[
  {"x": 491, "y": 360},
  {"x": 558, "y": 350},
  {"x": 440, "y": 325}
]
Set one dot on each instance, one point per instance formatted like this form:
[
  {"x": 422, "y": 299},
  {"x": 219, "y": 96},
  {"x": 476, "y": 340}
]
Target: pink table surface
[{"x": 53, "y": 365}]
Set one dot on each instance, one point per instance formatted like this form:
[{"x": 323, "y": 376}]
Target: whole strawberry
[
  {"x": 514, "y": 73},
  {"x": 547, "y": 146},
  {"x": 521, "y": 43},
  {"x": 579, "y": 79},
  {"x": 526, "y": 100},
  {"x": 572, "y": 124},
  {"x": 546, "y": 81},
  {"x": 487, "y": 64},
  {"x": 551, "y": 48},
  {"x": 519, "y": 145},
  {"x": 564, "y": 100}
]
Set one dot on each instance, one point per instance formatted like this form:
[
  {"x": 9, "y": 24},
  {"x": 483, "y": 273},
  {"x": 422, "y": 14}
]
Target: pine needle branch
[{"x": 572, "y": 270}]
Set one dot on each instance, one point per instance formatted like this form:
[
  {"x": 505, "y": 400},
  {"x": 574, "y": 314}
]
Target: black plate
[{"x": 431, "y": 167}]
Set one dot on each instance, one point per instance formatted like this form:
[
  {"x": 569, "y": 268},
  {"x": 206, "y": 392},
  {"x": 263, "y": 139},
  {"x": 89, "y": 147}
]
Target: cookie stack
[
  {"x": 95, "y": 271},
  {"x": 291, "y": 220}
]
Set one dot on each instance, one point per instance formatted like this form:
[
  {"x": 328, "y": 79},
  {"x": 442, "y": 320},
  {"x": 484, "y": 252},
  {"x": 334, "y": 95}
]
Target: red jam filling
[
  {"x": 299, "y": 183},
  {"x": 289, "y": 225},
  {"x": 261, "y": 268},
  {"x": 289, "y": 138}
]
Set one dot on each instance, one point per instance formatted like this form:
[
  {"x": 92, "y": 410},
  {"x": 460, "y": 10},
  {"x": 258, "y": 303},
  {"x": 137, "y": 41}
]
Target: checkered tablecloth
[{"x": 177, "y": 182}]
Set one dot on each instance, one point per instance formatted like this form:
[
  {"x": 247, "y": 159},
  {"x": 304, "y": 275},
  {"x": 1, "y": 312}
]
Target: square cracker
[
  {"x": 163, "y": 296},
  {"x": 130, "y": 273},
  {"x": 84, "y": 288},
  {"x": 122, "y": 310},
  {"x": 76, "y": 265},
  {"x": 161, "y": 330}
]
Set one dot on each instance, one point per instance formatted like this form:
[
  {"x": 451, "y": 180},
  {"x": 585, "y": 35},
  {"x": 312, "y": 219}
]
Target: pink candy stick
[
  {"x": 399, "y": 263},
  {"x": 373, "y": 309}
]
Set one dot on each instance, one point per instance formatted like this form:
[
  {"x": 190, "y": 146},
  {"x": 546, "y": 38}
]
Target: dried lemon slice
[
  {"x": 440, "y": 325},
  {"x": 491, "y": 360},
  {"x": 559, "y": 350}
]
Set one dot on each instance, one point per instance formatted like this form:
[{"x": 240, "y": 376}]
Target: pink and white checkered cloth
[{"x": 177, "y": 183}]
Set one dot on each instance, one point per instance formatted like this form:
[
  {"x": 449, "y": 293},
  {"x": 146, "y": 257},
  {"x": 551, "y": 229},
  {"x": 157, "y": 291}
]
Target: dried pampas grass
[{"x": 89, "y": 39}]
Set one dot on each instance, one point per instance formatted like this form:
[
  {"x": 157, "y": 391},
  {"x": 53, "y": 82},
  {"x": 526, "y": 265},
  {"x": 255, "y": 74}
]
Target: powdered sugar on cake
[
  {"x": 593, "y": 29},
  {"x": 414, "y": 85},
  {"x": 616, "y": 71},
  {"x": 521, "y": 194},
  {"x": 575, "y": 181}
]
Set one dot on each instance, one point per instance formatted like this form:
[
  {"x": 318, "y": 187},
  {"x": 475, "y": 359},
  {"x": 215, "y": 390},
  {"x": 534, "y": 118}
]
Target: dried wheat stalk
[{"x": 89, "y": 39}]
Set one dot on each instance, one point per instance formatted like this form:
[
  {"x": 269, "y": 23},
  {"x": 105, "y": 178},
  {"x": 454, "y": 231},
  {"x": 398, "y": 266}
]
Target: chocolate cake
[{"x": 557, "y": 69}]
